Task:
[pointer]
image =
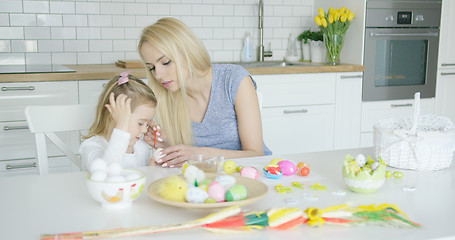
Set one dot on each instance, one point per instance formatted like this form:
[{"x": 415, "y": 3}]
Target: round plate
[{"x": 256, "y": 191}]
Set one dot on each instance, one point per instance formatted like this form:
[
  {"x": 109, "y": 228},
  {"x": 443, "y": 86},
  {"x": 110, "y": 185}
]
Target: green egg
[
  {"x": 210, "y": 200},
  {"x": 236, "y": 193},
  {"x": 388, "y": 174},
  {"x": 239, "y": 168}
]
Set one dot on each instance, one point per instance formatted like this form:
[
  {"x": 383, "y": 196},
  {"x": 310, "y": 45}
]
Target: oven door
[{"x": 400, "y": 62}]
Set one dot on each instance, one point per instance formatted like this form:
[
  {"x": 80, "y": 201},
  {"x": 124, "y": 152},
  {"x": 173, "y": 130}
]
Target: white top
[
  {"x": 114, "y": 150},
  {"x": 59, "y": 203}
]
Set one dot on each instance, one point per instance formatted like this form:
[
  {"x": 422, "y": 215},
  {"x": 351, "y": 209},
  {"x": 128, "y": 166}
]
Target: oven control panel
[{"x": 404, "y": 17}]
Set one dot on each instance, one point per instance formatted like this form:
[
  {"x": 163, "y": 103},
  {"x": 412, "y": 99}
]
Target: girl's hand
[
  {"x": 176, "y": 155},
  {"x": 120, "y": 110},
  {"x": 158, "y": 141}
]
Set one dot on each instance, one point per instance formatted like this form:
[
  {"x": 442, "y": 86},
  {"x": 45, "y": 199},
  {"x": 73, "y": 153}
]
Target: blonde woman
[{"x": 204, "y": 108}]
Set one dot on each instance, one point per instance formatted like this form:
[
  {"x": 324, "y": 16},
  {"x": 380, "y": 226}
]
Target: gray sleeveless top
[{"x": 219, "y": 128}]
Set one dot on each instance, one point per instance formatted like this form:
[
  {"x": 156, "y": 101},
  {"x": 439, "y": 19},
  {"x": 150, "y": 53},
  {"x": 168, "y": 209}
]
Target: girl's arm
[{"x": 249, "y": 125}]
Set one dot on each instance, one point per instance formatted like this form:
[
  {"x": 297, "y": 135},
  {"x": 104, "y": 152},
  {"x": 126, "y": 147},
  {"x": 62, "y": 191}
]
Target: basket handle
[{"x": 416, "y": 115}]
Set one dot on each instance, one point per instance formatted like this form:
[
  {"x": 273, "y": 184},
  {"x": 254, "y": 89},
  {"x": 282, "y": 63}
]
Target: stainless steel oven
[{"x": 401, "y": 49}]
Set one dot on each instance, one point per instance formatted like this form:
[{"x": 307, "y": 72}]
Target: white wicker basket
[{"x": 420, "y": 143}]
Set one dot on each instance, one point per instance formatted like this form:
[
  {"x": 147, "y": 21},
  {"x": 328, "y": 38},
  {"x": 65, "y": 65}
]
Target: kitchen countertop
[
  {"x": 60, "y": 203},
  {"x": 108, "y": 71}
]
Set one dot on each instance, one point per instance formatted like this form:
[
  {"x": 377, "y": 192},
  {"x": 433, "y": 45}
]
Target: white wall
[{"x": 103, "y": 31}]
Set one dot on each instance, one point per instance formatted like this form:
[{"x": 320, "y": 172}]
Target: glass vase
[{"x": 334, "y": 44}]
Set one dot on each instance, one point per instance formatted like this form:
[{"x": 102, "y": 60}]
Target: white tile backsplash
[
  {"x": 50, "y": 45},
  {"x": 24, "y": 45},
  {"x": 103, "y": 31},
  {"x": 36, "y": 6},
  {"x": 38, "y": 58},
  {"x": 49, "y": 20},
  {"x": 5, "y": 46},
  {"x": 63, "y": 7}
]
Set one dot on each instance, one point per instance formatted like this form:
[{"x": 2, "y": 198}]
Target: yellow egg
[
  {"x": 229, "y": 167},
  {"x": 275, "y": 161}
]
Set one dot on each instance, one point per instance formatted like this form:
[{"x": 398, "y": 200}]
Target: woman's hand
[
  {"x": 176, "y": 155},
  {"x": 158, "y": 141},
  {"x": 120, "y": 110}
]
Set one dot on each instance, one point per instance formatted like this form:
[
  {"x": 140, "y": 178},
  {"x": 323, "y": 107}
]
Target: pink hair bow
[{"x": 123, "y": 78}]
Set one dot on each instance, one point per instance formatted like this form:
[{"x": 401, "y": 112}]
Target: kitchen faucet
[{"x": 261, "y": 52}]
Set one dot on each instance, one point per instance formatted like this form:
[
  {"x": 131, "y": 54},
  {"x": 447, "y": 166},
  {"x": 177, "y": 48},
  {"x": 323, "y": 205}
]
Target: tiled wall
[{"x": 103, "y": 31}]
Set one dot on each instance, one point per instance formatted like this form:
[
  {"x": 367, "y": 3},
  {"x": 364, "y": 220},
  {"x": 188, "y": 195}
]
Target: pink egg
[
  {"x": 287, "y": 167},
  {"x": 216, "y": 191},
  {"x": 249, "y": 172}
]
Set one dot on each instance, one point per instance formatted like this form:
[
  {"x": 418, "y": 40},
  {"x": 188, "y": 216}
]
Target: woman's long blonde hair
[
  {"x": 180, "y": 45},
  {"x": 139, "y": 92}
]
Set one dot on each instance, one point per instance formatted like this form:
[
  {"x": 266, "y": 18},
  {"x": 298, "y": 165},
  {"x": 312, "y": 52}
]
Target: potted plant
[
  {"x": 312, "y": 44},
  {"x": 317, "y": 47},
  {"x": 305, "y": 38}
]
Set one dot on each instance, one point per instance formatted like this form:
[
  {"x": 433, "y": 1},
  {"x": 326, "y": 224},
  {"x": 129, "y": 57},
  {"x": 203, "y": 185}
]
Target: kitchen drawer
[
  {"x": 373, "y": 112},
  {"x": 29, "y": 167},
  {"x": 17, "y": 142},
  {"x": 298, "y": 129},
  {"x": 16, "y": 96},
  {"x": 296, "y": 89}
]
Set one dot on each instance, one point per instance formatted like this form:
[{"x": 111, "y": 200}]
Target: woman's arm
[{"x": 249, "y": 127}]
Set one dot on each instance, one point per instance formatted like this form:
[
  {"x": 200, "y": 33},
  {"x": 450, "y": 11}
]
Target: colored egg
[
  {"x": 205, "y": 184},
  {"x": 196, "y": 195},
  {"x": 210, "y": 200},
  {"x": 227, "y": 181},
  {"x": 272, "y": 172},
  {"x": 275, "y": 160},
  {"x": 388, "y": 174},
  {"x": 216, "y": 191},
  {"x": 398, "y": 174},
  {"x": 236, "y": 193},
  {"x": 287, "y": 167},
  {"x": 229, "y": 167},
  {"x": 303, "y": 171},
  {"x": 249, "y": 172},
  {"x": 239, "y": 168},
  {"x": 303, "y": 164}
]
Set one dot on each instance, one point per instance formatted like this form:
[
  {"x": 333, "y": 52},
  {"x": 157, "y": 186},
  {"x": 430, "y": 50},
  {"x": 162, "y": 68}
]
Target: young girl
[{"x": 124, "y": 109}]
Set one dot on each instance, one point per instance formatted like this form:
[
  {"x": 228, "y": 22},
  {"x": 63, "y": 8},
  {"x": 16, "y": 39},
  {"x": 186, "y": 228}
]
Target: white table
[{"x": 59, "y": 203}]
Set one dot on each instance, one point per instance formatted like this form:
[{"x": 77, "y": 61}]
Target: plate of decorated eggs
[{"x": 206, "y": 190}]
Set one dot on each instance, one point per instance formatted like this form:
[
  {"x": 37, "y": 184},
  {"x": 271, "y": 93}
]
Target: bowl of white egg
[{"x": 112, "y": 186}]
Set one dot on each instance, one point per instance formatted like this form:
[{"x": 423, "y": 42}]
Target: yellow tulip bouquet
[{"x": 334, "y": 25}]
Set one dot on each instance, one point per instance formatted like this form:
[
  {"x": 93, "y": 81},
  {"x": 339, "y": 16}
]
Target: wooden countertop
[{"x": 108, "y": 71}]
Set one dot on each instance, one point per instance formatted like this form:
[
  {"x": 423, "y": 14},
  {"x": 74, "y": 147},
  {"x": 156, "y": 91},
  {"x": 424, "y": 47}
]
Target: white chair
[{"x": 46, "y": 120}]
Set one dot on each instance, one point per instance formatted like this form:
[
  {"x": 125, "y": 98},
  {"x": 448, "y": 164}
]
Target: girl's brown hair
[{"x": 139, "y": 92}]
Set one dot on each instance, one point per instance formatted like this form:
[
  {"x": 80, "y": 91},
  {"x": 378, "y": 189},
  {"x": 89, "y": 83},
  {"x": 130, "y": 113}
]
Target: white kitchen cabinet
[
  {"x": 373, "y": 112},
  {"x": 446, "y": 56},
  {"x": 17, "y": 144},
  {"x": 298, "y": 111},
  {"x": 445, "y": 84},
  {"x": 445, "y": 97},
  {"x": 90, "y": 90},
  {"x": 348, "y": 110}
]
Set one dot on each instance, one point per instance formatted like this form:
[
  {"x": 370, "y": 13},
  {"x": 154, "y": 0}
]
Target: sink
[{"x": 266, "y": 64}]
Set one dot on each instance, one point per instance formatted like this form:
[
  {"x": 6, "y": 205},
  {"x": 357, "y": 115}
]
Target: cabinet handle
[
  {"x": 401, "y": 105},
  {"x": 8, "y": 128},
  {"x": 29, "y": 88},
  {"x": 350, "y": 76},
  {"x": 104, "y": 85},
  {"x": 447, "y": 73},
  {"x": 21, "y": 166},
  {"x": 295, "y": 111},
  {"x": 447, "y": 64}
]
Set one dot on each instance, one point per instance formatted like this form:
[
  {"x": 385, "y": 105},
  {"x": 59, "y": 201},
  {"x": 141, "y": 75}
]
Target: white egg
[
  {"x": 98, "y": 165},
  {"x": 196, "y": 195},
  {"x": 116, "y": 178},
  {"x": 132, "y": 176},
  {"x": 114, "y": 169},
  {"x": 227, "y": 181},
  {"x": 193, "y": 174},
  {"x": 99, "y": 176},
  {"x": 374, "y": 165},
  {"x": 360, "y": 160}
]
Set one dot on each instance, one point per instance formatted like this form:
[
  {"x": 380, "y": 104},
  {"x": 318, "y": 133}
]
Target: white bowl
[{"x": 115, "y": 195}]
